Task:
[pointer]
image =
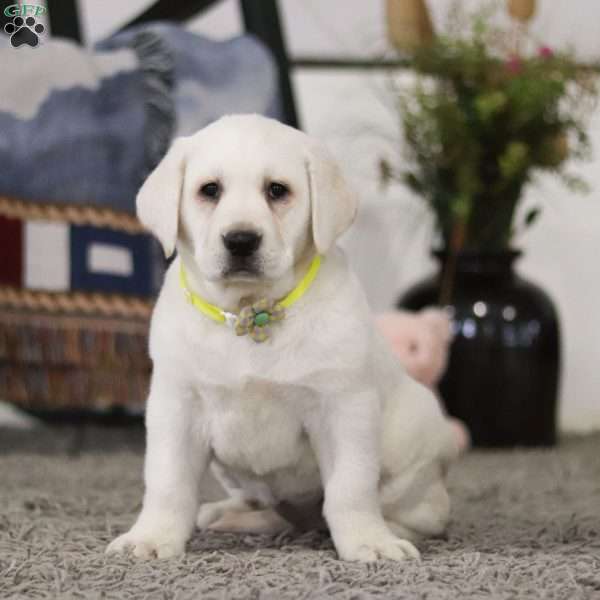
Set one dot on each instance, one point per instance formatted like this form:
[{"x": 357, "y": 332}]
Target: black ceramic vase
[{"x": 503, "y": 374}]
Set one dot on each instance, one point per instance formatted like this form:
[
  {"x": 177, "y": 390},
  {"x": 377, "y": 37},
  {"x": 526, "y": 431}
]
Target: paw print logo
[{"x": 24, "y": 31}]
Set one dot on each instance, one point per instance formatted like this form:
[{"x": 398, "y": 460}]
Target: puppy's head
[{"x": 246, "y": 196}]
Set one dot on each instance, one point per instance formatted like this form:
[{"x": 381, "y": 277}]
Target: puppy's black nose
[{"x": 242, "y": 243}]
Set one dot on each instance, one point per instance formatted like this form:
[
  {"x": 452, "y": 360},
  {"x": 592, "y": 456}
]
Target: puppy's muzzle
[{"x": 241, "y": 243}]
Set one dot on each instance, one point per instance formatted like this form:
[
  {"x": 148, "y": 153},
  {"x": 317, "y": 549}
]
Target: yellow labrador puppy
[{"x": 267, "y": 365}]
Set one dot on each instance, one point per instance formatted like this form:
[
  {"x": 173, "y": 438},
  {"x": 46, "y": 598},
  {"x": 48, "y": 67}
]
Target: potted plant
[{"x": 489, "y": 111}]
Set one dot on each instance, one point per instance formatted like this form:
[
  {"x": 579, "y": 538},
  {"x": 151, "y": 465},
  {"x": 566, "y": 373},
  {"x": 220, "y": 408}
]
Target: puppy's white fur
[{"x": 321, "y": 408}]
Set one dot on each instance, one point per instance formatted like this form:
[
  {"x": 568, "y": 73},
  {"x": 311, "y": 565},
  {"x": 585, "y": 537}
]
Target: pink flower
[
  {"x": 514, "y": 64},
  {"x": 546, "y": 52}
]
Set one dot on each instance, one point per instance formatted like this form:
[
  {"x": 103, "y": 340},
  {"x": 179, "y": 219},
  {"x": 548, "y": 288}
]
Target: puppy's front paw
[
  {"x": 370, "y": 549},
  {"x": 146, "y": 545}
]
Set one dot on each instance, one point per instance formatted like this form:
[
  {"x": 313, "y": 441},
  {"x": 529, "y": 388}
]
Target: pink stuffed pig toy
[{"x": 421, "y": 341}]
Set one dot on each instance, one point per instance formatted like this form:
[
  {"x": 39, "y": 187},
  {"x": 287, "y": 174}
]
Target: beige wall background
[{"x": 390, "y": 242}]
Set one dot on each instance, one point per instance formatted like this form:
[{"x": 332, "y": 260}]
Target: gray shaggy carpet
[{"x": 526, "y": 524}]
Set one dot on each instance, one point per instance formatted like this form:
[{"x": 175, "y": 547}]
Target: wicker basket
[{"x": 76, "y": 349}]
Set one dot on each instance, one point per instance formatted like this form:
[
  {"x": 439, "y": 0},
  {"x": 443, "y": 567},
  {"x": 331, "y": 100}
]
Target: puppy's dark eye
[
  {"x": 211, "y": 191},
  {"x": 277, "y": 191}
]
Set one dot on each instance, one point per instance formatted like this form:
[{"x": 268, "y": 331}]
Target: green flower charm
[{"x": 255, "y": 319}]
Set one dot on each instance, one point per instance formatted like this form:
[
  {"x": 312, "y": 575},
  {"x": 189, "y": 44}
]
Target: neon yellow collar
[{"x": 253, "y": 320}]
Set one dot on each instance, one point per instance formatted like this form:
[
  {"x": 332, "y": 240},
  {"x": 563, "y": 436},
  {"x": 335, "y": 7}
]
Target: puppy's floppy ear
[
  {"x": 158, "y": 200},
  {"x": 333, "y": 204}
]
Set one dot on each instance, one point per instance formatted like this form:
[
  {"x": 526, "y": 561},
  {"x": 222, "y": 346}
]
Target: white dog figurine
[{"x": 267, "y": 364}]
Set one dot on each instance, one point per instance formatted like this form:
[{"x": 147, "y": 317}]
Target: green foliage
[{"x": 481, "y": 120}]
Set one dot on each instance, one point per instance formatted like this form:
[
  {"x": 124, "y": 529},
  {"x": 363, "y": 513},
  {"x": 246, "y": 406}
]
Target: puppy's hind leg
[
  {"x": 265, "y": 521},
  {"x": 302, "y": 516},
  {"x": 237, "y": 501},
  {"x": 238, "y": 513},
  {"x": 422, "y": 512},
  {"x": 210, "y": 512},
  {"x": 403, "y": 532}
]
